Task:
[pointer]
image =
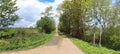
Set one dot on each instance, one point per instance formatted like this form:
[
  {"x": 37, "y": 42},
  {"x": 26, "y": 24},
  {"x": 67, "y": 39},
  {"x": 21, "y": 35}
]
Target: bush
[{"x": 111, "y": 38}]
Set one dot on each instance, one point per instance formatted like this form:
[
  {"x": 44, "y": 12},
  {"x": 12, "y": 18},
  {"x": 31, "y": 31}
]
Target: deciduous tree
[{"x": 7, "y": 13}]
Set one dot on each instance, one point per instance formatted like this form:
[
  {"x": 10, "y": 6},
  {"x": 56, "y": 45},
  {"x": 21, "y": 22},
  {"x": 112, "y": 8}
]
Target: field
[{"x": 22, "y": 38}]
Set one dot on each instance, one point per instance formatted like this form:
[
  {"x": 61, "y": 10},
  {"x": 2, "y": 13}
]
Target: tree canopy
[
  {"x": 7, "y": 13},
  {"x": 90, "y": 19},
  {"x": 46, "y": 24}
]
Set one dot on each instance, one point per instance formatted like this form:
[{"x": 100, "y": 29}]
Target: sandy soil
[{"x": 56, "y": 46}]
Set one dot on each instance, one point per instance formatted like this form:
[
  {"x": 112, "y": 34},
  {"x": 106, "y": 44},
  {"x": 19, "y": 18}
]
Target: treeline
[{"x": 95, "y": 21}]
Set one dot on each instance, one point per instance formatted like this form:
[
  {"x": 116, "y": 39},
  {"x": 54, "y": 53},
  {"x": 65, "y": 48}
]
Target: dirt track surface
[{"x": 56, "y": 46}]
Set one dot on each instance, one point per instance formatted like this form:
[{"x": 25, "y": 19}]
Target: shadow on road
[{"x": 55, "y": 41}]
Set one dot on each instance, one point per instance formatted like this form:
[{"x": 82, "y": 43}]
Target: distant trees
[
  {"x": 7, "y": 13},
  {"x": 46, "y": 23}
]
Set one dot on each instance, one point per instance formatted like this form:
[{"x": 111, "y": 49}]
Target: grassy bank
[
  {"x": 24, "y": 39},
  {"x": 92, "y": 49}
]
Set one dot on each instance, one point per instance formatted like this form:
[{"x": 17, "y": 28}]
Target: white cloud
[{"x": 30, "y": 11}]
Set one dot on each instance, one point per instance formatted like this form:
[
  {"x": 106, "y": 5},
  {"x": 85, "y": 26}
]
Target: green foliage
[
  {"x": 46, "y": 24},
  {"x": 92, "y": 20},
  {"x": 89, "y": 33},
  {"x": 25, "y": 39},
  {"x": 7, "y": 13},
  {"x": 71, "y": 21},
  {"x": 111, "y": 38},
  {"x": 92, "y": 49}
]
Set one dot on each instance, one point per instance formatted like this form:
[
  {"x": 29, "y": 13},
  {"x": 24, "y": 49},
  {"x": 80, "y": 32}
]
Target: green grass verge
[
  {"x": 92, "y": 49},
  {"x": 29, "y": 40}
]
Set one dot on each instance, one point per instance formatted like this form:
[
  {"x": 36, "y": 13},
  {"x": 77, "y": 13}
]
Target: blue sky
[
  {"x": 113, "y": 1},
  {"x": 29, "y": 11},
  {"x": 47, "y": 0}
]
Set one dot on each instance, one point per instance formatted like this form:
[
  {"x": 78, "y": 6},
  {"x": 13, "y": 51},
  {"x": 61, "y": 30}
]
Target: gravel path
[{"x": 56, "y": 46}]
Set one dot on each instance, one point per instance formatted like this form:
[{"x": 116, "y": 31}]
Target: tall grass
[{"x": 24, "y": 39}]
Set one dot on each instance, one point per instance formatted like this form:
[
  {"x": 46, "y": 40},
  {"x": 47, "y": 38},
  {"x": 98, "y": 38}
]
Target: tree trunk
[
  {"x": 94, "y": 39},
  {"x": 100, "y": 37}
]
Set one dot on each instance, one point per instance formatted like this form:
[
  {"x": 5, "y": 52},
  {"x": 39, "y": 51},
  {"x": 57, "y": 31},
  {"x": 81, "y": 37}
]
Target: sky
[
  {"x": 30, "y": 11},
  {"x": 46, "y": 0}
]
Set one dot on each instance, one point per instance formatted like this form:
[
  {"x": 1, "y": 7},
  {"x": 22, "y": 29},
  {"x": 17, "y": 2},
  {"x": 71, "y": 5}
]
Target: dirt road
[{"x": 56, "y": 46}]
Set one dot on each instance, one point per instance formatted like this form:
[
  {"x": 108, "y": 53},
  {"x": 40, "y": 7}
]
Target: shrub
[
  {"x": 111, "y": 38},
  {"x": 30, "y": 39}
]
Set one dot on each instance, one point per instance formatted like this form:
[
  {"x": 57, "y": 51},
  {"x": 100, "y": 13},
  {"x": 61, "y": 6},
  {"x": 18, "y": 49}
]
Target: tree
[
  {"x": 114, "y": 20},
  {"x": 94, "y": 20},
  {"x": 99, "y": 13},
  {"x": 72, "y": 19},
  {"x": 45, "y": 24},
  {"x": 47, "y": 11},
  {"x": 7, "y": 13}
]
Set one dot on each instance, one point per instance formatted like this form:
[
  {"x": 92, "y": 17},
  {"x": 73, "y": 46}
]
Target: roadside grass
[
  {"x": 24, "y": 39},
  {"x": 91, "y": 49}
]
